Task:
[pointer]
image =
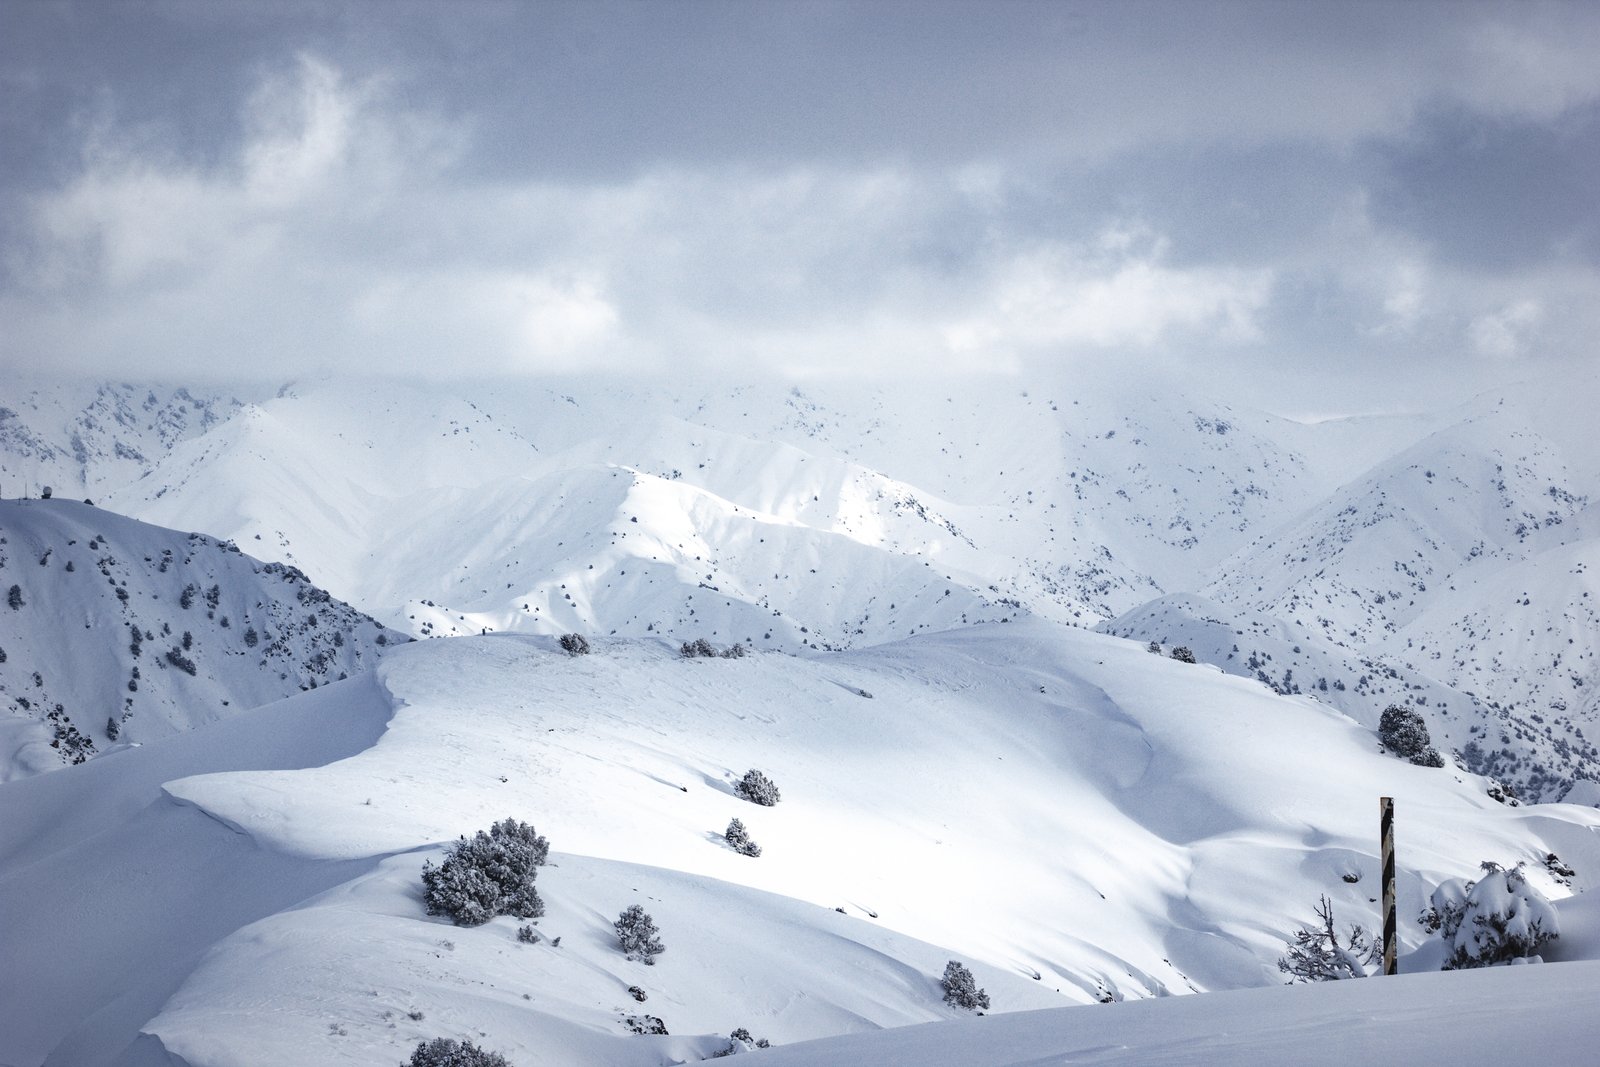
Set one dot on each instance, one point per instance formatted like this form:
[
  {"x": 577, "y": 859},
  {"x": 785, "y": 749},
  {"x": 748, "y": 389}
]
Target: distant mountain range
[{"x": 1447, "y": 549}]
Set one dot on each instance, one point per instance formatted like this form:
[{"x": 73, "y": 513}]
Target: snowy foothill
[
  {"x": 1074, "y": 819},
  {"x": 116, "y": 632}
]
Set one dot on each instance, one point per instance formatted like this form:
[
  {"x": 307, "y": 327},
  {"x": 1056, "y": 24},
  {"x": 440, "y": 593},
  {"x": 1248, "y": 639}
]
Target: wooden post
[{"x": 1386, "y": 828}]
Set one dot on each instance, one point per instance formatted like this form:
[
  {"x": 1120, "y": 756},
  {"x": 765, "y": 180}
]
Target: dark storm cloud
[
  {"x": 1492, "y": 193},
  {"x": 1345, "y": 190}
]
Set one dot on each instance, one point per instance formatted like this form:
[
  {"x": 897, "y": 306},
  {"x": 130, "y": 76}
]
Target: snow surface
[
  {"x": 965, "y": 773},
  {"x": 1028, "y": 798}
]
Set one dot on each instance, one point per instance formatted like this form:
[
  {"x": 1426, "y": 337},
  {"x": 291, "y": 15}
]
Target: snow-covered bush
[
  {"x": 527, "y": 935},
  {"x": 741, "y": 1041},
  {"x": 491, "y": 874},
  {"x": 961, "y": 989},
  {"x": 645, "y": 1024},
  {"x": 638, "y": 936},
  {"x": 739, "y": 839},
  {"x": 1182, "y": 654},
  {"x": 1316, "y": 954},
  {"x": 446, "y": 1052},
  {"x": 1497, "y": 919},
  {"x": 1154, "y": 648},
  {"x": 575, "y": 644},
  {"x": 757, "y": 788},
  {"x": 699, "y": 648},
  {"x": 1402, "y": 731},
  {"x": 14, "y": 598}
]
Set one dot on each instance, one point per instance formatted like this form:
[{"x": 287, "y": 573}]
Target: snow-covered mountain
[
  {"x": 968, "y": 770},
  {"x": 117, "y": 632},
  {"x": 832, "y": 516},
  {"x": 1075, "y": 819},
  {"x": 1370, "y": 557},
  {"x": 1091, "y": 500},
  {"x": 83, "y": 439}
]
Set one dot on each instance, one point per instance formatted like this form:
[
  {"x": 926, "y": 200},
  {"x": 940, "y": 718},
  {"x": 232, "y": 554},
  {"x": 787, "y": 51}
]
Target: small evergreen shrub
[
  {"x": 733, "y": 651},
  {"x": 1403, "y": 732},
  {"x": 739, "y": 839},
  {"x": 961, "y": 989},
  {"x": 1154, "y": 648},
  {"x": 491, "y": 874},
  {"x": 645, "y": 1024},
  {"x": 638, "y": 936},
  {"x": 112, "y": 729},
  {"x": 757, "y": 788},
  {"x": 14, "y": 598},
  {"x": 1182, "y": 654},
  {"x": 527, "y": 935},
  {"x": 699, "y": 648},
  {"x": 447, "y": 1052},
  {"x": 739, "y": 1040},
  {"x": 1497, "y": 919},
  {"x": 575, "y": 644},
  {"x": 638, "y": 994}
]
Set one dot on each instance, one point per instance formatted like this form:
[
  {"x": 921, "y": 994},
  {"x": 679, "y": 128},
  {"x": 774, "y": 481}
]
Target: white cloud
[
  {"x": 1114, "y": 292},
  {"x": 1506, "y": 334}
]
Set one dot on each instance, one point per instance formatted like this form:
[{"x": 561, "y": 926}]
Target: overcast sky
[{"x": 1317, "y": 202}]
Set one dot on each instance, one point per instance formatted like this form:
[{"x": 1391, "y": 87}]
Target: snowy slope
[
  {"x": 1538, "y": 757},
  {"x": 1366, "y": 560},
  {"x": 85, "y": 439},
  {"x": 1033, "y": 799},
  {"x": 1464, "y": 1017},
  {"x": 1525, "y": 635},
  {"x": 116, "y": 632}
]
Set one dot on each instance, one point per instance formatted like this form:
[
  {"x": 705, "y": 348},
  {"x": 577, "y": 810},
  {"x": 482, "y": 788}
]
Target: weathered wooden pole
[{"x": 1386, "y": 828}]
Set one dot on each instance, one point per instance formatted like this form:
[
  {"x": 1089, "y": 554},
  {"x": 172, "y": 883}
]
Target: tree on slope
[{"x": 1317, "y": 955}]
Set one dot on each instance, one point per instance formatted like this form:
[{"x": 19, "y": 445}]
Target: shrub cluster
[
  {"x": 575, "y": 644},
  {"x": 700, "y": 648},
  {"x": 1182, "y": 654},
  {"x": 1402, "y": 731},
  {"x": 446, "y": 1052},
  {"x": 491, "y": 874},
  {"x": 638, "y": 936},
  {"x": 961, "y": 989},
  {"x": 740, "y": 1040},
  {"x": 739, "y": 839},
  {"x": 1496, "y": 919},
  {"x": 757, "y": 788}
]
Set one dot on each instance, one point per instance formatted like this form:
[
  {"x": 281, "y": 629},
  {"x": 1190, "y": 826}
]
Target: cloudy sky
[{"x": 1321, "y": 203}]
